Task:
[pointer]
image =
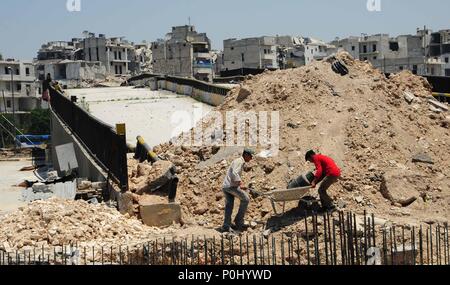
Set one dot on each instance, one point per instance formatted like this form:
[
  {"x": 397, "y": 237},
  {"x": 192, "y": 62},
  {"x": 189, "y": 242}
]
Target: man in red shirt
[{"x": 327, "y": 172}]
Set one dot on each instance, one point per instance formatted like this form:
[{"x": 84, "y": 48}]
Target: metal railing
[
  {"x": 325, "y": 240},
  {"x": 103, "y": 142}
]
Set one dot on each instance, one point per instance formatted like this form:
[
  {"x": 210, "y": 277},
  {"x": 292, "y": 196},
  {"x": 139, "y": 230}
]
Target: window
[
  {"x": 120, "y": 69},
  {"x": 120, "y": 55},
  {"x": 374, "y": 58},
  {"x": 6, "y": 70},
  {"x": 374, "y": 48},
  {"x": 446, "y": 60},
  {"x": 232, "y": 48},
  {"x": 365, "y": 58},
  {"x": 27, "y": 71},
  {"x": 98, "y": 54},
  {"x": 243, "y": 57},
  {"x": 19, "y": 87},
  {"x": 8, "y": 103},
  {"x": 115, "y": 55},
  {"x": 28, "y": 89},
  {"x": 117, "y": 69},
  {"x": 394, "y": 46},
  {"x": 364, "y": 49},
  {"x": 432, "y": 71},
  {"x": 90, "y": 55},
  {"x": 353, "y": 48},
  {"x": 17, "y": 72},
  {"x": 401, "y": 67}
]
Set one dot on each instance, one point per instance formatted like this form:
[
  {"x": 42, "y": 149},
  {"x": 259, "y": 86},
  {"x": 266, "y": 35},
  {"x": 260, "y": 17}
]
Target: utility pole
[
  {"x": 4, "y": 101},
  {"x": 13, "y": 106}
]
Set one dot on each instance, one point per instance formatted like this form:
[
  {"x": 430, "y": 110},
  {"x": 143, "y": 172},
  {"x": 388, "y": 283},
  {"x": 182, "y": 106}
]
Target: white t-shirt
[{"x": 233, "y": 178}]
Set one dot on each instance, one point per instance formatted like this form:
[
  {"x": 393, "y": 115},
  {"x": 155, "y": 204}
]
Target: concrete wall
[
  {"x": 173, "y": 59},
  {"x": 79, "y": 71},
  {"x": 199, "y": 95},
  {"x": 87, "y": 167}
]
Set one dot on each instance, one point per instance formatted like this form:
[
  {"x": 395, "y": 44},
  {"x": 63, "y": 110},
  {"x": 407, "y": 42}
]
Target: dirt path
[{"x": 9, "y": 195}]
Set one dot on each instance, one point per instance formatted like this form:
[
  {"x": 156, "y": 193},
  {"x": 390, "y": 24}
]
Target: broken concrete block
[
  {"x": 98, "y": 185},
  {"x": 160, "y": 215},
  {"x": 41, "y": 188},
  {"x": 125, "y": 203},
  {"x": 84, "y": 185},
  {"x": 435, "y": 110},
  {"x": 422, "y": 158},
  {"x": 438, "y": 104},
  {"x": 399, "y": 186},
  {"x": 243, "y": 94},
  {"x": 52, "y": 175},
  {"x": 409, "y": 97}
]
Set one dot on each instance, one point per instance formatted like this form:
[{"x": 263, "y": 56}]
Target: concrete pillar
[
  {"x": 126, "y": 60},
  {"x": 108, "y": 63}
]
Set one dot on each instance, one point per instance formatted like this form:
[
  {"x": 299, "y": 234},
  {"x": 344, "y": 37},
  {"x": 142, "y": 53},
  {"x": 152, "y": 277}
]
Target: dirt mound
[
  {"x": 61, "y": 222},
  {"x": 362, "y": 120}
]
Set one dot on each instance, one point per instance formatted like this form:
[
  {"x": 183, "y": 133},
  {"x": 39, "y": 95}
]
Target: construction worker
[
  {"x": 45, "y": 88},
  {"x": 233, "y": 187},
  {"x": 327, "y": 173}
]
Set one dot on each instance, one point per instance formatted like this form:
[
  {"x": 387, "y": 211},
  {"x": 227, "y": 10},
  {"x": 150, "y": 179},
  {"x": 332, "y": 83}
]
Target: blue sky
[{"x": 26, "y": 24}]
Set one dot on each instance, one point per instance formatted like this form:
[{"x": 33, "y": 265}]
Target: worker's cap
[{"x": 249, "y": 151}]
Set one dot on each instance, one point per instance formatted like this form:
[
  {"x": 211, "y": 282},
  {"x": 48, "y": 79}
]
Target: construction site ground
[{"x": 394, "y": 157}]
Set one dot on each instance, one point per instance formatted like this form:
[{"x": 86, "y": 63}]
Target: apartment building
[
  {"x": 269, "y": 52},
  {"x": 184, "y": 53},
  {"x": 19, "y": 89},
  {"x": 394, "y": 54}
]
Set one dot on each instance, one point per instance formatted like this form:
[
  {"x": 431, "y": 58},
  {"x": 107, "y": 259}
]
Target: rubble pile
[
  {"x": 373, "y": 126},
  {"x": 59, "y": 222}
]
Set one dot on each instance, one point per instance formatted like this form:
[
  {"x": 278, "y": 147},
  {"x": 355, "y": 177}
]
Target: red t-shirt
[{"x": 325, "y": 166}]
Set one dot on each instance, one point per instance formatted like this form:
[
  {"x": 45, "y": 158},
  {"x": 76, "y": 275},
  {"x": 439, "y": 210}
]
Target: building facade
[
  {"x": 416, "y": 53},
  {"x": 184, "y": 53},
  {"x": 255, "y": 53},
  {"x": 269, "y": 52},
  {"x": 113, "y": 53},
  {"x": 19, "y": 88}
]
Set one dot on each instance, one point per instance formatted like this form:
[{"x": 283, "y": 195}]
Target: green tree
[{"x": 40, "y": 122}]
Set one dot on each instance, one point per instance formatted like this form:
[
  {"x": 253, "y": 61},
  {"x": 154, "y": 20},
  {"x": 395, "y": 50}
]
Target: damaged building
[
  {"x": 420, "y": 53},
  {"x": 268, "y": 52},
  {"x": 184, "y": 53}
]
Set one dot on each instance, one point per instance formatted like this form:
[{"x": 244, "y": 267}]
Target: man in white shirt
[{"x": 233, "y": 187}]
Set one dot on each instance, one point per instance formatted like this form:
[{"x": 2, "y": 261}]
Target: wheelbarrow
[{"x": 283, "y": 196}]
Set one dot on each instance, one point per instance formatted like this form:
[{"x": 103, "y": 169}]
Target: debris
[
  {"x": 71, "y": 222},
  {"x": 422, "y": 158},
  {"x": 409, "y": 97},
  {"x": 400, "y": 187},
  {"x": 244, "y": 92},
  {"x": 438, "y": 105}
]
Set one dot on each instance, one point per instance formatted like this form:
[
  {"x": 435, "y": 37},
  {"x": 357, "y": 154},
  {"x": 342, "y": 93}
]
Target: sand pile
[
  {"x": 61, "y": 222},
  {"x": 362, "y": 120}
]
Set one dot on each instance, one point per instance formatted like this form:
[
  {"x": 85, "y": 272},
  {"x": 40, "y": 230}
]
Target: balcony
[{"x": 370, "y": 53}]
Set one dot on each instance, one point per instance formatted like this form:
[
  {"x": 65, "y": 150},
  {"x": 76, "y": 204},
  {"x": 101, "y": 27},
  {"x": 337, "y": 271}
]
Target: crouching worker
[
  {"x": 327, "y": 173},
  {"x": 233, "y": 187}
]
